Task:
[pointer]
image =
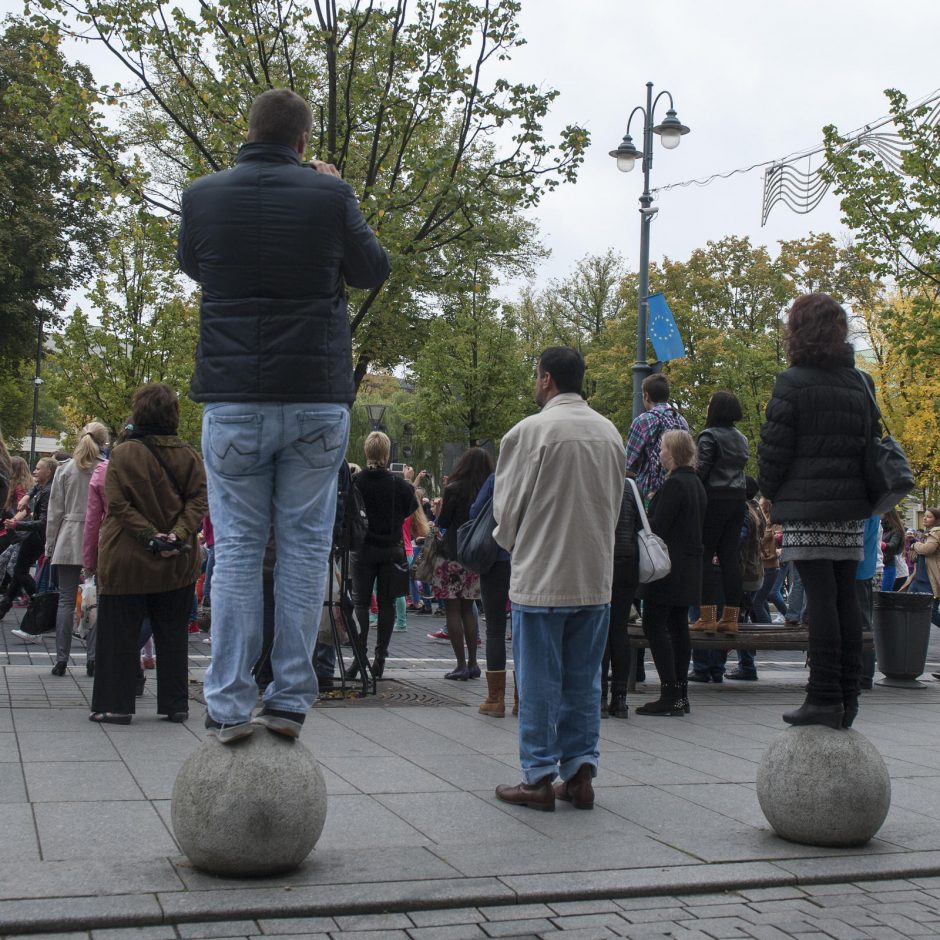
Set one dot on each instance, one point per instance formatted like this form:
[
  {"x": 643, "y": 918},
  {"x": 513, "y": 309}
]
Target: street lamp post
[
  {"x": 376, "y": 413},
  {"x": 670, "y": 131}
]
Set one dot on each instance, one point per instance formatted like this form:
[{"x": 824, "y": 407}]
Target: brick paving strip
[{"x": 416, "y": 846}]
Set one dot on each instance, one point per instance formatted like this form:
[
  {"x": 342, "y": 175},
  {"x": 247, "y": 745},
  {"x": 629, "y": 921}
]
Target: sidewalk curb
[{"x": 240, "y": 902}]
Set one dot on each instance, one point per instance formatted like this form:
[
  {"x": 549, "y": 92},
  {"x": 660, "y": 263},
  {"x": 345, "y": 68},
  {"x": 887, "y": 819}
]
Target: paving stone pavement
[{"x": 416, "y": 846}]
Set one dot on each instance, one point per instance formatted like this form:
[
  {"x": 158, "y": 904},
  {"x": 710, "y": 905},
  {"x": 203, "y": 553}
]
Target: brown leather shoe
[
  {"x": 578, "y": 791},
  {"x": 535, "y": 795}
]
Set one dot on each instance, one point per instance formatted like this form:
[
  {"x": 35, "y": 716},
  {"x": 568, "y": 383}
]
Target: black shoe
[
  {"x": 809, "y": 714},
  {"x": 177, "y": 717},
  {"x": 684, "y": 698},
  {"x": 668, "y": 703},
  {"x": 718, "y": 677},
  {"x": 353, "y": 670},
  {"x": 738, "y": 675},
  {"x": 698, "y": 677},
  {"x": 139, "y": 684},
  {"x": 59, "y": 669},
  {"x": 90, "y": 668},
  {"x": 850, "y": 709},
  {"x": 378, "y": 665},
  {"x": 867, "y": 684},
  {"x": 618, "y": 705}
]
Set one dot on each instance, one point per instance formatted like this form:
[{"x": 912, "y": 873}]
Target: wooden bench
[{"x": 750, "y": 636}]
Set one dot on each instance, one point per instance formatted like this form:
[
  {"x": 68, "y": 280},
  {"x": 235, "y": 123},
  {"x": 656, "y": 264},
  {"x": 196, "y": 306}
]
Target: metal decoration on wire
[{"x": 802, "y": 190}]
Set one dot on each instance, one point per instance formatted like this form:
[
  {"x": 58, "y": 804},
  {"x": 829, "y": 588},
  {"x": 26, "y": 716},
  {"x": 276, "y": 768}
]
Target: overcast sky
[{"x": 754, "y": 80}]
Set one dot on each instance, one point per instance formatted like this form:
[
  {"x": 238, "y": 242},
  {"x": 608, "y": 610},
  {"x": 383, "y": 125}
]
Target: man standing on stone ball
[{"x": 274, "y": 246}]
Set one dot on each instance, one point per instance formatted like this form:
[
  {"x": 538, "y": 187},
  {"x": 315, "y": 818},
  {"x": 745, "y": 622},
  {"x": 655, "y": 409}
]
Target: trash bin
[{"x": 901, "y": 625}]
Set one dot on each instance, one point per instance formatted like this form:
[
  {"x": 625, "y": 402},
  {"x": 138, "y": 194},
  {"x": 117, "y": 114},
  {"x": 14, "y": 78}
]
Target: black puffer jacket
[
  {"x": 628, "y": 524},
  {"x": 722, "y": 457},
  {"x": 812, "y": 446},
  {"x": 274, "y": 245}
]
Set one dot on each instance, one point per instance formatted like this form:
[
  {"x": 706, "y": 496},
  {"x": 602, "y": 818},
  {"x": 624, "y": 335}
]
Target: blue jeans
[
  {"x": 207, "y": 584},
  {"x": 796, "y": 608},
  {"x": 269, "y": 462},
  {"x": 769, "y": 592},
  {"x": 557, "y": 653}
]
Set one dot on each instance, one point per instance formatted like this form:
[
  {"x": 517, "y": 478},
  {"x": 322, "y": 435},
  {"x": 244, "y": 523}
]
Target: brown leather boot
[
  {"x": 729, "y": 620},
  {"x": 495, "y": 703},
  {"x": 515, "y": 694},
  {"x": 707, "y": 620},
  {"x": 578, "y": 790},
  {"x": 539, "y": 795}
]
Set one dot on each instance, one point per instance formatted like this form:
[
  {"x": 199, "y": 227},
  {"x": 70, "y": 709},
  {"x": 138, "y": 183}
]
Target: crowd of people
[{"x": 582, "y": 521}]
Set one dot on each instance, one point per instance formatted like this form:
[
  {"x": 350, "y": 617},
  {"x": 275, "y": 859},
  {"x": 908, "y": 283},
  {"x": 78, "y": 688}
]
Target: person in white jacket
[
  {"x": 65, "y": 527},
  {"x": 558, "y": 488}
]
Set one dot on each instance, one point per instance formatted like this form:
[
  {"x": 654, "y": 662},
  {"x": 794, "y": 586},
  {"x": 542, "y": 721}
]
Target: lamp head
[
  {"x": 626, "y": 154},
  {"x": 671, "y": 130}
]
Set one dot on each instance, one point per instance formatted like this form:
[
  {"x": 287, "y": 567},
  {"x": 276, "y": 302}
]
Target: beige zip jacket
[{"x": 559, "y": 484}]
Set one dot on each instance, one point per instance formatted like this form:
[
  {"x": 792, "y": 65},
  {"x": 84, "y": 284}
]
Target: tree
[
  {"x": 410, "y": 104},
  {"x": 144, "y": 330},
  {"x": 472, "y": 382},
  {"x": 47, "y": 198},
  {"x": 892, "y": 205}
]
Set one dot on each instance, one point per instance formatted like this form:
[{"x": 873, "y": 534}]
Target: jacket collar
[
  {"x": 267, "y": 153},
  {"x": 564, "y": 398}
]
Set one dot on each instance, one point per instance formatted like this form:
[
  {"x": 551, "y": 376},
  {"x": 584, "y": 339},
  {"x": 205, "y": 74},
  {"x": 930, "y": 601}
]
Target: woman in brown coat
[{"x": 156, "y": 489}]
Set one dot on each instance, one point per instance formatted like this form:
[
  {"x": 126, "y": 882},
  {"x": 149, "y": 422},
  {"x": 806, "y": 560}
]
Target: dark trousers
[
  {"x": 721, "y": 535},
  {"x": 21, "y": 580},
  {"x": 120, "y": 617},
  {"x": 617, "y": 653},
  {"x": 369, "y": 567},
  {"x": 835, "y": 629},
  {"x": 494, "y": 588},
  {"x": 667, "y": 633}
]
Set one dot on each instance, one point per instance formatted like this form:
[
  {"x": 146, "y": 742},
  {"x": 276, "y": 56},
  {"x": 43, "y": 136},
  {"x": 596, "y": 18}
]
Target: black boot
[
  {"x": 684, "y": 697},
  {"x": 605, "y": 711},
  {"x": 378, "y": 664},
  {"x": 811, "y": 713},
  {"x": 668, "y": 703},
  {"x": 618, "y": 701},
  {"x": 849, "y": 708}
]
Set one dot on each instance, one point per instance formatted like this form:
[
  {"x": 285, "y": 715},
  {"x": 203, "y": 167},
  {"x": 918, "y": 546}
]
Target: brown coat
[
  {"x": 930, "y": 549},
  {"x": 143, "y": 501}
]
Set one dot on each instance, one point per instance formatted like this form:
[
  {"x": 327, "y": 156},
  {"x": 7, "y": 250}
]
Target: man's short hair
[
  {"x": 656, "y": 387},
  {"x": 566, "y": 367},
  {"x": 279, "y": 116},
  {"x": 156, "y": 406}
]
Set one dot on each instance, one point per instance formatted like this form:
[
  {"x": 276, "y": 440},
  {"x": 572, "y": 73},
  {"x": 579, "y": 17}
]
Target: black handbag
[
  {"x": 476, "y": 547},
  {"x": 41, "y": 613},
  {"x": 888, "y": 474}
]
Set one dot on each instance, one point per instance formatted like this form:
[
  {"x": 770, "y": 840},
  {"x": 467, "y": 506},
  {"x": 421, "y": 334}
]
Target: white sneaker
[{"x": 23, "y": 635}]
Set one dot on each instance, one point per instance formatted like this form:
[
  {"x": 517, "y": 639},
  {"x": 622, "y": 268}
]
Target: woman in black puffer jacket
[{"x": 811, "y": 461}]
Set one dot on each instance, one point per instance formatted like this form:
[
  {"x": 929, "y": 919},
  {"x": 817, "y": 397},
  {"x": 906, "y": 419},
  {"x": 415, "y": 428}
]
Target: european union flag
[{"x": 663, "y": 331}]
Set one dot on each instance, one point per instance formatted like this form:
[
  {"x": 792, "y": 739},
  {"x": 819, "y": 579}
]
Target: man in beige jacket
[{"x": 559, "y": 484}]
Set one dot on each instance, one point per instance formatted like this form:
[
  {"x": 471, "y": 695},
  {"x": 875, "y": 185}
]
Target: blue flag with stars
[{"x": 663, "y": 332}]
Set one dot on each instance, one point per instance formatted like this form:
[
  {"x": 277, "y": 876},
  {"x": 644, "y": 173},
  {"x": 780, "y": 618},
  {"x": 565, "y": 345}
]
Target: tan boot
[
  {"x": 729, "y": 620},
  {"x": 707, "y": 620},
  {"x": 495, "y": 703},
  {"x": 515, "y": 694}
]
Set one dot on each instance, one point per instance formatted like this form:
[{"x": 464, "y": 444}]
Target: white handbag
[{"x": 654, "y": 555}]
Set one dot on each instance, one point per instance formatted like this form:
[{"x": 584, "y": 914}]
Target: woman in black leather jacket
[
  {"x": 722, "y": 457},
  {"x": 32, "y": 534}
]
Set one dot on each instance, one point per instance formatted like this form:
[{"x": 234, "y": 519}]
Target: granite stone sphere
[
  {"x": 819, "y": 786},
  {"x": 250, "y": 808}
]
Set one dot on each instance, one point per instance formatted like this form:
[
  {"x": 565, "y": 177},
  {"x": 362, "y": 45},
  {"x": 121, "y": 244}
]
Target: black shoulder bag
[{"x": 888, "y": 474}]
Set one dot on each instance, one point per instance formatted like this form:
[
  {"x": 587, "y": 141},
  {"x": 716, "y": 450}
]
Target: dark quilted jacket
[
  {"x": 812, "y": 446},
  {"x": 274, "y": 244}
]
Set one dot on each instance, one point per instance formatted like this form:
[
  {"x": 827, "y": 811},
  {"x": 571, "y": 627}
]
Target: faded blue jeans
[
  {"x": 557, "y": 652},
  {"x": 269, "y": 462}
]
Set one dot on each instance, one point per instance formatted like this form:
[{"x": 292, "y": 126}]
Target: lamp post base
[{"x": 640, "y": 371}]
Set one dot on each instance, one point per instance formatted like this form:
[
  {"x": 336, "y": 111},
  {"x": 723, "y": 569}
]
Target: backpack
[
  {"x": 353, "y": 522},
  {"x": 752, "y": 567}
]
